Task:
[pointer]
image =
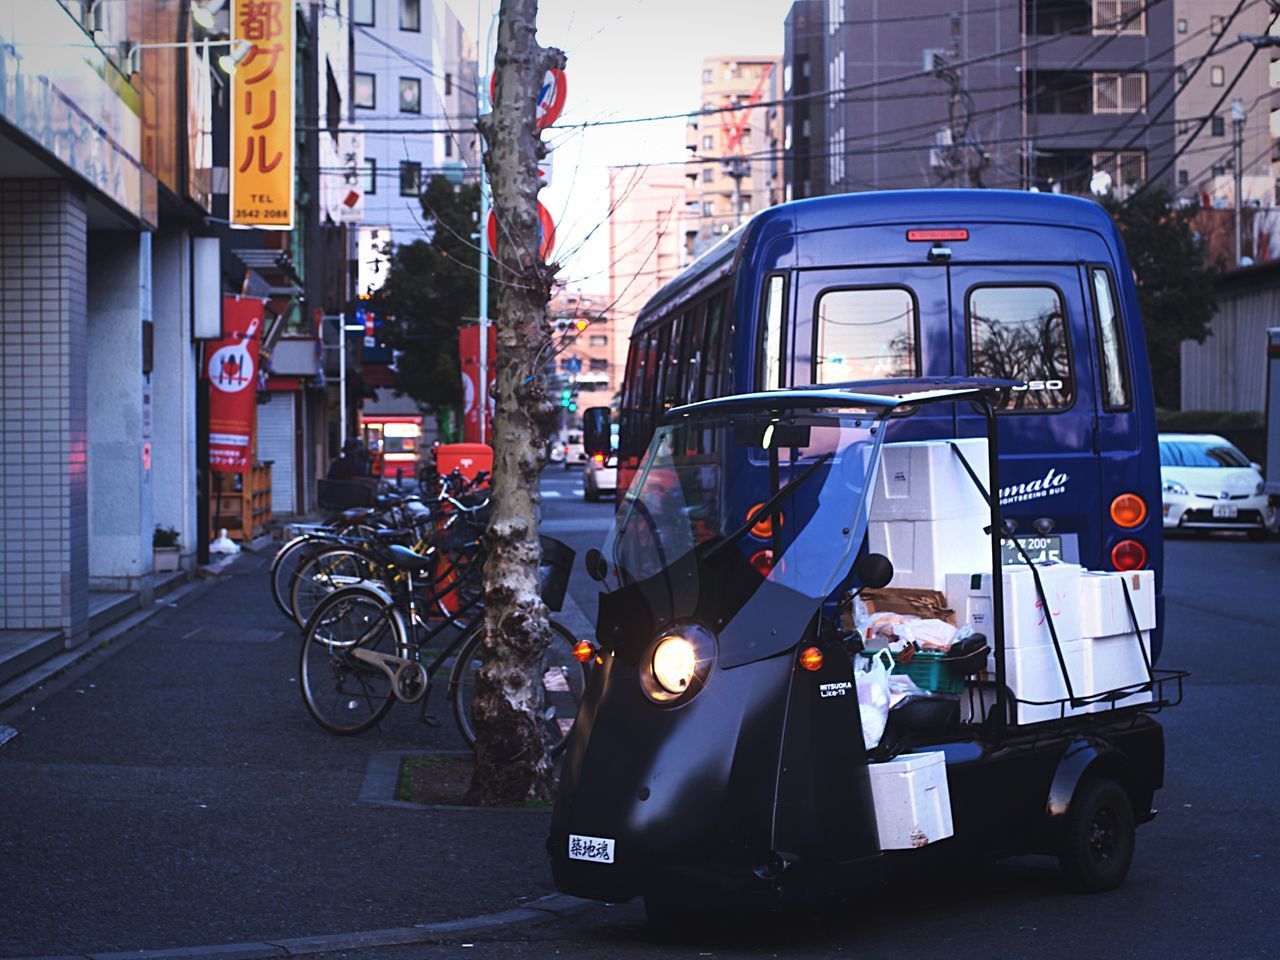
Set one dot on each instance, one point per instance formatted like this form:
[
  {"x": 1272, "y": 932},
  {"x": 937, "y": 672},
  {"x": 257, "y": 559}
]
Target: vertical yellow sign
[{"x": 262, "y": 137}]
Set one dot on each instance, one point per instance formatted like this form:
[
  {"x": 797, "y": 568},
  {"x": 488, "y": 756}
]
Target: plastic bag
[
  {"x": 902, "y": 686},
  {"x": 873, "y": 697},
  {"x": 927, "y": 634}
]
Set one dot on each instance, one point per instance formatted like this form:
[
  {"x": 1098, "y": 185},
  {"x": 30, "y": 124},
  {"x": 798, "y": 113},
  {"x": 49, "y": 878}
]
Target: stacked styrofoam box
[
  {"x": 926, "y": 514},
  {"x": 1032, "y": 667},
  {"x": 912, "y": 801},
  {"x": 1114, "y": 652}
]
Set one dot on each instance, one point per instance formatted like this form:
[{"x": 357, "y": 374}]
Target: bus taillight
[
  {"x": 1128, "y": 510},
  {"x": 931, "y": 236},
  {"x": 1128, "y": 555}
]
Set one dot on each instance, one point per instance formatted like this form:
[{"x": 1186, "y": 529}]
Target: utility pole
[
  {"x": 482, "y": 380},
  {"x": 1237, "y": 163}
]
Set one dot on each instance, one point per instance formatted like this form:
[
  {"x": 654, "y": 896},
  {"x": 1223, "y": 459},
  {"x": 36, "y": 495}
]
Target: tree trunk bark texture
[{"x": 512, "y": 764}]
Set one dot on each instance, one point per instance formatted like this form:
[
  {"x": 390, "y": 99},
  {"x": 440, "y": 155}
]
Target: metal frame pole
[{"x": 342, "y": 382}]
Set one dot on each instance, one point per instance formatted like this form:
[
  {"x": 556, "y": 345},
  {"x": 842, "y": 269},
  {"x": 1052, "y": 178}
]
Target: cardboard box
[
  {"x": 925, "y": 480},
  {"x": 925, "y": 604},
  {"x": 1103, "y": 612},
  {"x": 912, "y": 801}
]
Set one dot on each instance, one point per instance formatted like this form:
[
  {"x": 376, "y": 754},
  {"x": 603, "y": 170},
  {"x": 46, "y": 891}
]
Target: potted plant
[{"x": 165, "y": 550}]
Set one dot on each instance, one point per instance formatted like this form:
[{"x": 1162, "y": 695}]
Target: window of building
[
  {"x": 786, "y": 137},
  {"x": 709, "y": 142},
  {"x": 448, "y": 145},
  {"x": 448, "y": 84},
  {"x": 366, "y": 90},
  {"x": 707, "y": 76},
  {"x": 744, "y": 205},
  {"x": 708, "y": 174},
  {"x": 1219, "y": 170},
  {"x": 1115, "y": 375},
  {"x": 411, "y": 15},
  {"x": 1218, "y": 126},
  {"x": 786, "y": 78},
  {"x": 1127, "y": 169},
  {"x": 1217, "y": 76},
  {"x": 1020, "y": 333},
  {"x": 1182, "y": 76},
  {"x": 1182, "y": 24},
  {"x": 410, "y": 178},
  {"x": 598, "y": 340},
  {"x": 1119, "y": 92},
  {"x": 410, "y": 95},
  {"x": 865, "y": 335},
  {"x": 599, "y": 365},
  {"x": 370, "y": 175},
  {"x": 362, "y": 13},
  {"x": 1217, "y": 24},
  {"x": 1183, "y": 178},
  {"x": 1125, "y": 17},
  {"x": 708, "y": 208}
]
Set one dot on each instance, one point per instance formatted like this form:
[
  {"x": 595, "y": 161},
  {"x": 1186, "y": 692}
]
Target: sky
[{"x": 626, "y": 58}]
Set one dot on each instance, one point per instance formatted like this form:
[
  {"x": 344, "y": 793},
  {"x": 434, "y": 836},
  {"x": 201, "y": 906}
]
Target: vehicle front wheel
[{"x": 1098, "y": 840}]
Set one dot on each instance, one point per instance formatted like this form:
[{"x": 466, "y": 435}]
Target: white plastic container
[
  {"x": 1034, "y": 673},
  {"x": 1114, "y": 662},
  {"x": 913, "y": 804},
  {"x": 1103, "y": 612},
  {"x": 923, "y": 552},
  {"x": 1025, "y": 622},
  {"x": 925, "y": 480}
]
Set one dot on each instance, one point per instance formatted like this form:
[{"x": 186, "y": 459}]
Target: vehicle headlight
[
  {"x": 1174, "y": 487},
  {"x": 1257, "y": 491},
  {"x": 678, "y": 663},
  {"x": 674, "y": 664}
]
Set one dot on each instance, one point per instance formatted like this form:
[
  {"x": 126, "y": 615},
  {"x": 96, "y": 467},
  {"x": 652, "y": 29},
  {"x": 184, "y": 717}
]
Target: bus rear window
[
  {"x": 1020, "y": 333},
  {"x": 865, "y": 334}
]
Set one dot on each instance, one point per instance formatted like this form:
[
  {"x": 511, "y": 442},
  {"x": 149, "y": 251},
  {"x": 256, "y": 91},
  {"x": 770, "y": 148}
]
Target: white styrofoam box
[
  {"x": 913, "y": 804},
  {"x": 1025, "y": 622},
  {"x": 923, "y": 552},
  {"x": 925, "y": 480},
  {"x": 1034, "y": 673},
  {"x": 1102, "y": 608},
  {"x": 1116, "y": 661}
]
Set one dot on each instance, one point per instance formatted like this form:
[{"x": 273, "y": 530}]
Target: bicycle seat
[
  {"x": 356, "y": 513},
  {"x": 406, "y": 559}
]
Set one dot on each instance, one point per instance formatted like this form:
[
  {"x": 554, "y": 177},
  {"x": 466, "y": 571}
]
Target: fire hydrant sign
[
  {"x": 232, "y": 371},
  {"x": 262, "y": 135}
]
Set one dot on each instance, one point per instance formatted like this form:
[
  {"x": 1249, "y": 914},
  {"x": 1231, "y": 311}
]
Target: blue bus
[{"x": 1035, "y": 288}]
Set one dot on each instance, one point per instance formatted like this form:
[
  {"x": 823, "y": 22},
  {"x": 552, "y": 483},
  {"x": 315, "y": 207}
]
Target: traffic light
[
  {"x": 580, "y": 324},
  {"x": 566, "y": 399}
]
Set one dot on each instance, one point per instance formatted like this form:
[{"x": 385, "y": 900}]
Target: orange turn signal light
[
  {"x": 811, "y": 658},
  {"x": 1128, "y": 555},
  {"x": 584, "y": 650},
  {"x": 1128, "y": 510},
  {"x": 763, "y": 528}
]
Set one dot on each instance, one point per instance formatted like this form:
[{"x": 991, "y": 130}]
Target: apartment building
[
  {"x": 1044, "y": 94},
  {"x": 803, "y": 112},
  {"x": 734, "y": 166},
  {"x": 1205, "y": 171}
]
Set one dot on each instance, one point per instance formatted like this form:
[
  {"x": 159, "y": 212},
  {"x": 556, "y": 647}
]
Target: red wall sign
[
  {"x": 232, "y": 372},
  {"x": 469, "y": 354}
]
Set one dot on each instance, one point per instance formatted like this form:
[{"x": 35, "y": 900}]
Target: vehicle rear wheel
[
  {"x": 1098, "y": 839},
  {"x": 671, "y": 919}
]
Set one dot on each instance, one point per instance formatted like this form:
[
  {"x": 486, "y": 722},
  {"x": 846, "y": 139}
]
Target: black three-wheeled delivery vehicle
[{"x": 736, "y": 744}]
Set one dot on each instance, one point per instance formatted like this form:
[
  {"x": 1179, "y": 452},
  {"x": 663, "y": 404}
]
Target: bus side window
[
  {"x": 769, "y": 351},
  {"x": 1111, "y": 352},
  {"x": 691, "y": 353},
  {"x": 628, "y": 416},
  {"x": 668, "y": 365},
  {"x": 712, "y": 348},
  {"x": 1020, "y": 333},
  {"x": 644, "y": 390}
]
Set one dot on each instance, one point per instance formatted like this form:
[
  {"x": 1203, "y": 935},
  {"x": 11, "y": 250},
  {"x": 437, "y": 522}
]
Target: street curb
[{"x": 556, "y": 906}]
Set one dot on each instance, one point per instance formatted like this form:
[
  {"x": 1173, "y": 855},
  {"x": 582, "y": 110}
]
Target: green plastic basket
[{"x": 931, "y": 670}]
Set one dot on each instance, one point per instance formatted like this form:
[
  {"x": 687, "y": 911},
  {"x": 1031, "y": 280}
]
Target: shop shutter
[{"x": 276, "y": 443}]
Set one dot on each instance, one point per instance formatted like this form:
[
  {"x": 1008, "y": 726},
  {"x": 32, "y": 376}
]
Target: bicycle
[{"x": 360, "y": 652}]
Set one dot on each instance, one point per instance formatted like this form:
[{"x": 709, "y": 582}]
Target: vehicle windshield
[
  {"x": 1200, "y": 453},
  {"x": 751, "y": 512}
]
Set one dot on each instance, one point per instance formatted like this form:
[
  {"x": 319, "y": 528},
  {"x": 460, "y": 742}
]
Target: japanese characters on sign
[
  {"x": 231, "y": 370},
  {"x": 262, "y": 134}
]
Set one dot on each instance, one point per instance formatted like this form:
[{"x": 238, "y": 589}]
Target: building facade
[
  {"x": 1043, "y": 94},
  {"x": 734, "y": 166},
  {"x": 803, "y": 112}
]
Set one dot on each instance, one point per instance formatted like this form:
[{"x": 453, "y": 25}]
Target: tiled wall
[{"x": 44, "y": 523}]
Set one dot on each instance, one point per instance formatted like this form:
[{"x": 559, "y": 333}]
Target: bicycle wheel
[
  {"x": 284, "y": 567},
  {"x": 344, "y": 694},
  {"x": 563, "y": 681},
  {"x": 324, "y": 572}
]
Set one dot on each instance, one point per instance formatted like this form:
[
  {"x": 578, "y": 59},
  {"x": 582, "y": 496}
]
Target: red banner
[
  {"x": 469, "y": 354},
  {"x": 232, "y": 371}
]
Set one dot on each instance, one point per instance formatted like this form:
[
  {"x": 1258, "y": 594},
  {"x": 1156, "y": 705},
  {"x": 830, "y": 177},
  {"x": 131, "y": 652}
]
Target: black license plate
[{"x": 1039, "y": 549}]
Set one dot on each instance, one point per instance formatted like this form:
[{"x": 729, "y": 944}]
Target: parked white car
[
  {"x": 574, "y": 452},
  {"x": 1210, "y": 485},
  {"x": 599, "y": 475}
]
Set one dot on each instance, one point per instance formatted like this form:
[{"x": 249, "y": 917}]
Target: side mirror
[
  {"x": 874, "y": 570},
  {"x": 597, "y": 566},
  {"x": 596, "y": 432}
]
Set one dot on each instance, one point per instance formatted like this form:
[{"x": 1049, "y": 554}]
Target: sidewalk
[{"x": 175, "y": 792}]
